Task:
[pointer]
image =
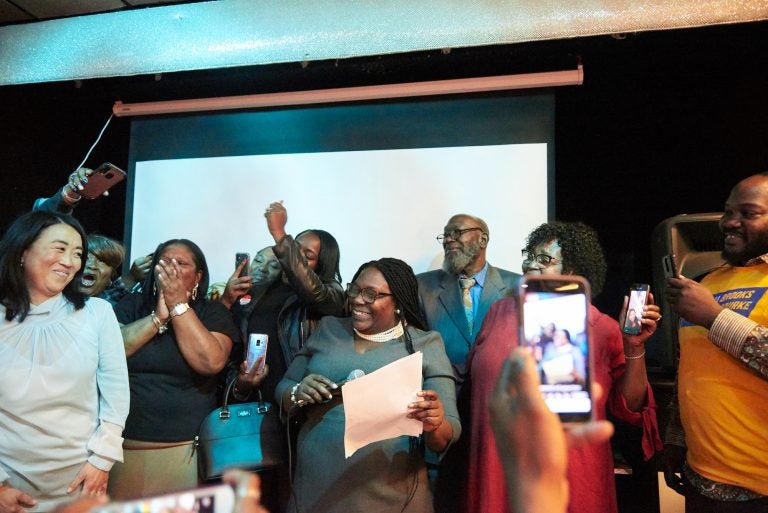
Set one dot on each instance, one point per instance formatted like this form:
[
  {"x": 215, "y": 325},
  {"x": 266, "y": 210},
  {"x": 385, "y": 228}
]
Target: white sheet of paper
[{"x": 376, "y": 405}]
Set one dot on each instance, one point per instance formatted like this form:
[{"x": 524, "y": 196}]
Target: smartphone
[
  {"x": 554, "y": 324},
  {"x": 257, "y": 347},
  {"x": 239, "y": 258},
  {"x": 670, "y": 266},
  {"x": 209, "y": 499},
  {"x": 633, "y": 311},
  {"x": 102, "y": 178}
]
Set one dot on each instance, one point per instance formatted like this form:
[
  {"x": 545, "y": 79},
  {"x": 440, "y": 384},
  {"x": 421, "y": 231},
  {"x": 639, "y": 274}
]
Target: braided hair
[{"x": 405, "y": 290}]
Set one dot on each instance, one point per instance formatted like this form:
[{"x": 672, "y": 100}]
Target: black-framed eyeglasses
[
  {"x": 369, "y": 295},
  {"x": 541, "y": 258},
  {"x": 454, "y": 234}
]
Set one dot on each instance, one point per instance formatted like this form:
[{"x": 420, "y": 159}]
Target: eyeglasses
[
  {"x": 369, "y": 295},
  {"x": 454, "y": 234},
  {"x": 541, "y": 258}
]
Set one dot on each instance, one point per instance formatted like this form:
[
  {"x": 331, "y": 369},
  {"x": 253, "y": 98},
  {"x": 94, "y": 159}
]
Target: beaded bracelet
[{"x": 634, "y": 357}]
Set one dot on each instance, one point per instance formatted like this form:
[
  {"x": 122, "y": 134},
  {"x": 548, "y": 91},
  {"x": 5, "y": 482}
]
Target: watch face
[{"x": 180, "y": 308}]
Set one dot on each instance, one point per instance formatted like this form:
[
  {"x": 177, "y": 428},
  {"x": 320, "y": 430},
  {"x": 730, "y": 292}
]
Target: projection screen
[{"x": 382, "y": 177}]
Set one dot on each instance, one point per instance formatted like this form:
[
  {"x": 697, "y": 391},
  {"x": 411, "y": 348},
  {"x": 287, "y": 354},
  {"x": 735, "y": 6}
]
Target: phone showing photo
[
  {"x": 210, "y": 499},
  {"x": 240, "y": 258},
  {"x": 554, "y": 324},
  {"x": 102, "y": 179},
  {"x": 638, "y": 296},
  {"x": 257, "y": 347}
]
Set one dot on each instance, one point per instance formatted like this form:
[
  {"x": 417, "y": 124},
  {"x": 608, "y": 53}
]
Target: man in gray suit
[
  {"x": 455, "y": 301},
  {"x": 447, "y": 308}
]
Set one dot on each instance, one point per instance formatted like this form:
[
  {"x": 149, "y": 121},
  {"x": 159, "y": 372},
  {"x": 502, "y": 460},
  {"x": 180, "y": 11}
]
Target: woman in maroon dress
[{"x": 619, "y": 367}]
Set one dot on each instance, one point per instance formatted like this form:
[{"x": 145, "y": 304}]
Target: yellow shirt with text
[{"x": 723, "y": 406}]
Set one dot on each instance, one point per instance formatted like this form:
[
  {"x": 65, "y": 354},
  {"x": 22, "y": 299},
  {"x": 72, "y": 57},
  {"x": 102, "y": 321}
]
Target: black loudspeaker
[{"x": 694, "y": 241}]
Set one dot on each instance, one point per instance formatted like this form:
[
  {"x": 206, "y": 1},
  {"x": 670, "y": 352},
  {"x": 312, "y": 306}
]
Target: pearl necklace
[{"x": 395, "y": 331}]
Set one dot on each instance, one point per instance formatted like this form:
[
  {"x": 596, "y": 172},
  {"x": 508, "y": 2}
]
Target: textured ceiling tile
[
  {"x": 10, "y": 13},
  {"x": 59, "y": 8},
  {"x": 231, "y": 33}
]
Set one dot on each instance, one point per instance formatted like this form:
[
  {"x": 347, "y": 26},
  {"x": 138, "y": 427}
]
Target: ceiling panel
[
  {"x": 59, "y": 8},
  {"x": 10, "y": 13},
  {"x": 236, "y": 33},
  {"x": 21, "y": 11}
]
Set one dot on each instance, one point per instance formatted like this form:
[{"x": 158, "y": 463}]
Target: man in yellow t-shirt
[{"x": 716, "y": 448}]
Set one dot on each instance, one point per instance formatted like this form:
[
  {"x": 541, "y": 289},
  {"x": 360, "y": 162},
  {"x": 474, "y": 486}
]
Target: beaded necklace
[{"x": 395, "y": 331}]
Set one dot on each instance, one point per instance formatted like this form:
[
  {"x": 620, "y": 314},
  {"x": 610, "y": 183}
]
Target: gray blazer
[{"x": 440, "y": 299}]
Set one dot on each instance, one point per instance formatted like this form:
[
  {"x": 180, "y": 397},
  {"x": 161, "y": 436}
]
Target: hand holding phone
[
  {"x": 670, "y": 266},
  {"x": 239, "y": 259},
  {"x": 101, "y": 180},
  {"x": 209, "y": 499},
  {"x": 554, "y": 325},
  {"x": 257, "y": 352},
  {"x": 633, "y": 309}
]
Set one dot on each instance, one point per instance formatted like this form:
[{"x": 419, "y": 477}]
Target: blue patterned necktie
[{"x": 466, "y": 298}]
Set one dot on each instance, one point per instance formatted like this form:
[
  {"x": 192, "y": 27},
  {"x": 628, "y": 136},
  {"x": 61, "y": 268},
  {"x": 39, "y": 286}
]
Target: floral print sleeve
[{"x": 743, "y": 339}]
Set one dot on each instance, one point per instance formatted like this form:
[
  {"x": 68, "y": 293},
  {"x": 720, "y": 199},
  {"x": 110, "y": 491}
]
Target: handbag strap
[{"x": 224, "y": 413}]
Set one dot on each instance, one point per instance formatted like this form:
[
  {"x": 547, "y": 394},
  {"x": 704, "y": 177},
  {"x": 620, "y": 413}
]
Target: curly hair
[{"x": 580, "y": 246}]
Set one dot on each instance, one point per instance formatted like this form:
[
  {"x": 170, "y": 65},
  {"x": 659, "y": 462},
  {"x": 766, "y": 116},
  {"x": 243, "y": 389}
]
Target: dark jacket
[{"x": 312, "y": 299}]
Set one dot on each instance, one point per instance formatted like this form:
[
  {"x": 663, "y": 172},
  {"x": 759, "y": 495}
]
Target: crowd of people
[{"x": 107, "y": 376}]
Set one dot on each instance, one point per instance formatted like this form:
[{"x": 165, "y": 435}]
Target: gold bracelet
[{"x": 634, "y": 357}]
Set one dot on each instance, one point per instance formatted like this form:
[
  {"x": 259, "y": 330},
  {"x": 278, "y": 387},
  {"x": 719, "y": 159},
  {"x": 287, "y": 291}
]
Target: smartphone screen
[
  {"x": 554, "y": 325},
  {"x": 211, "y": 499},
  {"x": 257, "y": 346},
  {"x": 239, "y": 258},
  {"x": 638, "y": 295}
]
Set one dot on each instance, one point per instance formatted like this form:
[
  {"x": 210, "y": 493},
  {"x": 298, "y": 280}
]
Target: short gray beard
[{"x": 457, "y": 262}]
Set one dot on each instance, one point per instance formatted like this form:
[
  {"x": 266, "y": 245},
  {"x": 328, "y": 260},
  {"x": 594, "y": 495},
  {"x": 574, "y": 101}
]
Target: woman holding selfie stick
[{"x": 564, "y": 248}]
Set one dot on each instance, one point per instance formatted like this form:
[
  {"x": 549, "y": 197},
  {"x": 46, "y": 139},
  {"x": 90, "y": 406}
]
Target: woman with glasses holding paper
[{"x": 385, "y": 326}]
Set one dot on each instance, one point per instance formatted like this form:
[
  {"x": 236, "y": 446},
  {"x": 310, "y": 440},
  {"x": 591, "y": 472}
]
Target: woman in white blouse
[{"x": 64, "y": 383}]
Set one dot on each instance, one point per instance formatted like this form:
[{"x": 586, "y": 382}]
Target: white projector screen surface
[
  {"x": 383, "y": 177},
  {"x": 375, "y": 203}
]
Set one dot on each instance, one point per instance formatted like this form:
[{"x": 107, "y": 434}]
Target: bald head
[
  {"x": 745, "y": 220},
  {"x": 475, "y": 221}
]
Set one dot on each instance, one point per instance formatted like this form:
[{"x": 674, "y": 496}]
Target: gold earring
[{"x": 194, "y": 292}]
